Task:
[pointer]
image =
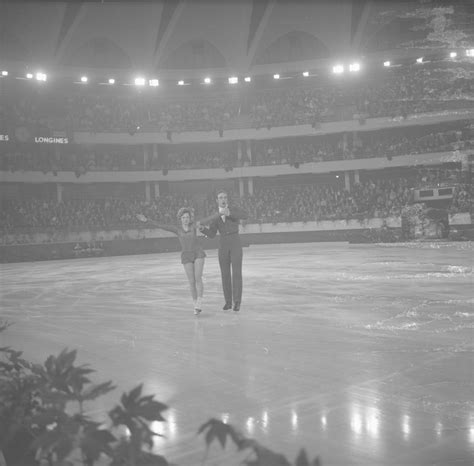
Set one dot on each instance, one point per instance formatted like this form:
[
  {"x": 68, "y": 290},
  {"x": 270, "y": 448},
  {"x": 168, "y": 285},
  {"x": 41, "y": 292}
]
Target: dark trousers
[{"x": 230, "y": 256}]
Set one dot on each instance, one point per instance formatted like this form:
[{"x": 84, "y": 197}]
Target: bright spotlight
[
  {"x": 139, "y": 81},
  {"x": 29, "y": 75},
  {"x": 354, "y": 67},
  {"x": 154, "y": 82},
  {"x": 247, "y": 79},
  {"x": 111, "y": 81},
  {"x": 453, "y": 55},
  {"x": 207, "y": 80},
  {"x": 470, "y": 53},
  {"x": 419, "y": 60},
  {"x": 233, "y": 80},
  {"x": 84, "y": 79},
  {"x": 276, "y": 76},
  {"x": 181, "y": 83},
  {"x": 41, "y": 77},
  {"x": 305, "y": 74},
  {"x": 338, "y": 69},
  {"x": 4, "y": 73}
]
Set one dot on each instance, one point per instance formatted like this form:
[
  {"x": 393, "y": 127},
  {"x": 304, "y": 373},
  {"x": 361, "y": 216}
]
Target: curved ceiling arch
[
  {"x": 195, "y": 54},
  {"x": 99, "y": 52},
  {"x": 12, "y": 48},
  {"x": 292, "y": 47}
]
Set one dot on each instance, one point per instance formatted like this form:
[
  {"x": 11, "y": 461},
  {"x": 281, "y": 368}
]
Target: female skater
[{"x": 192, "y": 254}]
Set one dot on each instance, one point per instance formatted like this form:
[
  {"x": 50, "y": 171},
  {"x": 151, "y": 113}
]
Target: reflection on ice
[
  {"x": 294, "y": 421},
  {"x": 372, "y": 421},
  {"x": 324, "y": 421},
  {"x": 471, "y": 428},
  {"x": 406, "y": 429},
  {"x": 264, "y": 421},
  {"x": 250, "y": 425},
  {"x": 356, "y": 420},
  {"x": 166, "y": 431}
]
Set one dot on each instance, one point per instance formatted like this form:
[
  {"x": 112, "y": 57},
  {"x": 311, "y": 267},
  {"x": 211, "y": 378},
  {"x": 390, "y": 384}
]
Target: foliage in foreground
[{"x": 43, "y": 420}]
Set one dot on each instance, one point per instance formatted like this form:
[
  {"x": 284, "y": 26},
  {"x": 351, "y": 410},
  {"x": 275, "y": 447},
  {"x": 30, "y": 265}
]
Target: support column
[
  {"x": 356, "y": 176},
  {"x": 147, "y": 191},
  {"x": 145, "y": 156},
  {"x": 157, "y": 189},
  {"x": 344, "y": 141},
  {"x": 155, "y": 154},
  {"x": 347, "y": 181},
  {"x": 249, "y": 153},
  {"x": 250, "y": 184},
  {"x": 59, "y": 192},
  {"x": 239, "y": 153},
  {"x": 241, "y": 187}
]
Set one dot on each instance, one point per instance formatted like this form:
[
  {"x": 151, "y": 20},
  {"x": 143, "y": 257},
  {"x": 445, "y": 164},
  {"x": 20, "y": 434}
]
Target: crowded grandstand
[{"x": 81, "y": 154}]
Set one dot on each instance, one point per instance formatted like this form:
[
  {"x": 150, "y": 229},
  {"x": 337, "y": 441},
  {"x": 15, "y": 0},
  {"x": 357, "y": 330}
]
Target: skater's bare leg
[
  {"x": 198, "y": 268},
  {"x": 189, "y": 268}
]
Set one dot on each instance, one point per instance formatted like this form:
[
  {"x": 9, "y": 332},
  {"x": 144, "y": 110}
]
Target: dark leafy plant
[
  {"x": 258, "y": 455},
  {"x": 43, "y": 421}
]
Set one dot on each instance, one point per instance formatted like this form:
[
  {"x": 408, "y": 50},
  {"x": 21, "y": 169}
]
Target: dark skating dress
[{"x": 190, "y": 244}]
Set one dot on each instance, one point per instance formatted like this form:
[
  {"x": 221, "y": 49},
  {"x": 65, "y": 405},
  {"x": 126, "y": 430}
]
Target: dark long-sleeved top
[
  {"x": 229, "y": 227},
  {"x": 188, "y": 239}
]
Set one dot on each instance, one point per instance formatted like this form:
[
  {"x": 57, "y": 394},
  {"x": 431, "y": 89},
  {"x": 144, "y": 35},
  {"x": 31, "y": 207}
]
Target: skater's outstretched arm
[{"x": 161, "y": 226}]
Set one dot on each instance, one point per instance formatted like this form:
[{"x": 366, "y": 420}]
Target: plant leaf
[
  {"x": 95, "y": 442},
  {"x": 94, "y": 391},
  {"x": 302, "y": 458}
]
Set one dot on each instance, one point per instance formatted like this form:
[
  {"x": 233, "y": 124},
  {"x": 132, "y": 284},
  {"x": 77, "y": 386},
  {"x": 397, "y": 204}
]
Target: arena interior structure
[
  {"x": 320, "y": 118},
  {"x": 333, "y": 124}
]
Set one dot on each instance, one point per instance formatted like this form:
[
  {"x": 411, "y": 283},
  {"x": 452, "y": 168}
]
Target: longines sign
[
  {"x": 38, "y": 139},
  {"x": 51, "y": 140}
]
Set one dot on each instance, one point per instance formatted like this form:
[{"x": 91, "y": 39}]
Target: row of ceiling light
[{"x": 141, "y": 81}]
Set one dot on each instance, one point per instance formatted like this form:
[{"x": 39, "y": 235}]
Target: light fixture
[
  {"x": 338, "y": 69},
  {"x": 154, "y": 82},
  {"x": 247, "y": 79},
  {"x": 139, "y": 81},
  {"x": 354, "y": 67},
  {"x": 29, "y": 75},
  {"x": 453, "y": 55},
  {"x": 41, "y": 76},
  {"x": 181, "y": 83},
  {"x": 276, "y": 76},
  {"x": 419, "y": 60},
  {"x": 207, "y": 80},
  {"x": 233, "y": 80},
  {"x": 470, "y": 53},
  {"x": 4, "y": 73},
  {"x": 111, "y": 81},
  {"x": 305, "y": 74},
  {"x": 84, "y": 79},
  {"x": 386, "y": 63}
]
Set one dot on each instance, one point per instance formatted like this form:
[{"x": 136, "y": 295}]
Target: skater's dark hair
[{"x": 186, "y": 210}]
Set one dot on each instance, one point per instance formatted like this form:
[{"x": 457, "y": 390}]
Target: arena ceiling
[{"x": 234, "y": 36}]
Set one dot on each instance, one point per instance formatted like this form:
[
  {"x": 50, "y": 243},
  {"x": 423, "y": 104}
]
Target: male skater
[{"x": 230, "y": 249}]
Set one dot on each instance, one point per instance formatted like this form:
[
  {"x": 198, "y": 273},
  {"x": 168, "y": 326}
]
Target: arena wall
[{"x": 57, "y": 245}]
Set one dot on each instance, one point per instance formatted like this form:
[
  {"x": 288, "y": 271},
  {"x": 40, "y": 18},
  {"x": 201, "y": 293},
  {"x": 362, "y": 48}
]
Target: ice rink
[{"x": 362, "y": 354}]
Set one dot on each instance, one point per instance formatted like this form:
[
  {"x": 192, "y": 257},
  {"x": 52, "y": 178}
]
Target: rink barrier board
[{"x": 119, "y": 247}]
